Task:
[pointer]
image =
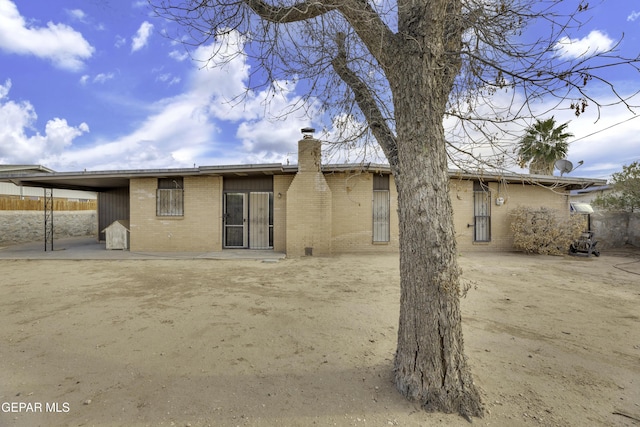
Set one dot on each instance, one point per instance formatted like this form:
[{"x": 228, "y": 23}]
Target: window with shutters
[{"x": 170, "y": 197}]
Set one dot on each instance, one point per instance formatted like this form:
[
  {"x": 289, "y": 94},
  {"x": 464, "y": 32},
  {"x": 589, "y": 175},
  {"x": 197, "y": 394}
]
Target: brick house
[{"x": 304, "y": 209}]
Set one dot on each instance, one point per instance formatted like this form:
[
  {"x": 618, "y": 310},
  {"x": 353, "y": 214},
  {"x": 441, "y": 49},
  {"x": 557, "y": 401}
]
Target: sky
[{"x": 99, "y": 85}]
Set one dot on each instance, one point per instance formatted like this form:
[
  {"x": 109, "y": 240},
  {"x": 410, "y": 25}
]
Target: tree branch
[
  {"x": 366, "y": 22},
  {"x": 367, "y": 104},
  {"x": 374, "y": 33},
  {"x": 298, "y": 12}
]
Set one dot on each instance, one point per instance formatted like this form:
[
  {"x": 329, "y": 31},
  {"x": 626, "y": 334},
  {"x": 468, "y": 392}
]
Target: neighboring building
[
  {"x": 588, "y": 195},
  {"x": 12, "y": 191},
  {"x": 308, "y": 209}
]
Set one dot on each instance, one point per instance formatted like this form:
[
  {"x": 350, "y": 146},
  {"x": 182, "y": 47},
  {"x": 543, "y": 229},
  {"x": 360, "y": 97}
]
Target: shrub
[
  {"x": 626, "y": 191},
  {"x": 545, "y": 231}
]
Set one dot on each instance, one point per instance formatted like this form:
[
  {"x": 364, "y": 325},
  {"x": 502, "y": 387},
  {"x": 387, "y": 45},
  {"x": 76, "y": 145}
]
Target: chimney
[
  {"x": 309, "y": 199},
  {"x": 309, "y": 152}
]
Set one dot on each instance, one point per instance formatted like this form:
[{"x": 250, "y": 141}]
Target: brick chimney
[
  {"x": 309, "y": 152},
  {"x": 309, "y": 203}
]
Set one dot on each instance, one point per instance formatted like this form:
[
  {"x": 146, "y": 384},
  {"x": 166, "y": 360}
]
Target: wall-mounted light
[{"x": 279, "y": 195}]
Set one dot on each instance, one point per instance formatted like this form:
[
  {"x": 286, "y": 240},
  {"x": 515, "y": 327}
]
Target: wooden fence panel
[{"x": 16, "y": 204}]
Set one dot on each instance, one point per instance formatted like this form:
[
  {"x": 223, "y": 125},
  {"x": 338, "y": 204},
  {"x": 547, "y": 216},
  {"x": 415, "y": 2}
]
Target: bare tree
[{"x": 407, "y": 66}]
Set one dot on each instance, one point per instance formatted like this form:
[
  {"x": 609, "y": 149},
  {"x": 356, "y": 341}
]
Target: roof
[
  {"x": 592, "y": 189},
  {"x": 120, "y": 223},
  {"x": 105, "y": 180},
  {"x": 23, "y": 169}
]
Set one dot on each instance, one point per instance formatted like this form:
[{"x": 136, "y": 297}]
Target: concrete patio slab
[{"x": 87, "y": 248}]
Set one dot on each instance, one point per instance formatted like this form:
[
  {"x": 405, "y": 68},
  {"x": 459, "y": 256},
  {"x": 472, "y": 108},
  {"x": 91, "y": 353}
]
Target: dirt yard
[{"x": 552, "y": 341}]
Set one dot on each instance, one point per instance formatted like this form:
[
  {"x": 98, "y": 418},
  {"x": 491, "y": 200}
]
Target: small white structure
[{"x": 117, "y": 235}]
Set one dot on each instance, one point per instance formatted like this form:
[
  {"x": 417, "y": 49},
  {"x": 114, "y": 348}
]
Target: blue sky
[{"x": 93, "y": 84}]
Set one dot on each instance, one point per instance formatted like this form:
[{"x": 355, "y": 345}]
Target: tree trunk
[
  {"x": 541, "y": 167},
  {"x": 430, "y": 365}
]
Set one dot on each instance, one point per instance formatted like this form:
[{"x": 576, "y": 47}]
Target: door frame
[{"x": 247, "y": 220}]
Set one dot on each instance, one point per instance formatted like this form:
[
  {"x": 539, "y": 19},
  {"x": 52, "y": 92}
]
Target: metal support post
[{"x": 48, "y": 218}]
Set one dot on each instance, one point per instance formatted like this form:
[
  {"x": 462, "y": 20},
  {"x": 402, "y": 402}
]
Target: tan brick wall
[
  {"x": 200, "y": 229},
  {"x": 514, "y": 195},
  {"x": 352, "y": 214},
  {"x": 308, "y": 205},
  {"x": 308, "y": 218},
  {"x": 309, "y": 155},
  {"x": 330, "y": 213},
  {"x": 395, "y": 229},
  {"x": 461, "y": 192},
  {"x": 281, "y": 185}
]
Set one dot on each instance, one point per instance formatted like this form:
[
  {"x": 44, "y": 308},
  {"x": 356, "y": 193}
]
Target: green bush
[{"x": 626, "y": 191}]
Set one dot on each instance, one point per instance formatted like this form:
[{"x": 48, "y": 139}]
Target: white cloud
[
  {"x": 58, "y": 43},
  {"x": 141, "y": 38},
  {"x": 168, "y": 78},
  {"x": 4, "y": 89},
  {"x": 99, "y": 78},
  {"x": 103, "y": 77},
  {"x": 270, "y": 126},
  {"x": 178, "y": 56},
  {"x": 77, "y": 14},
  {"x": 207, "y": 125},
  {"x": 595, "y": 42},
  {"x": 180, "y": 130},
  {"x": 17, "y": 146},
  {"x": 604, "y": 138},
  {"x": 633, "y": 16},
  {"x": 186, "y": 129},
  {"x": 120, "y": 41}
]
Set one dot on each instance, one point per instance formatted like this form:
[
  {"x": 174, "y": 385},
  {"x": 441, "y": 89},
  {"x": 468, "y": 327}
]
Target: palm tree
[{"x": 543, "y": 145}]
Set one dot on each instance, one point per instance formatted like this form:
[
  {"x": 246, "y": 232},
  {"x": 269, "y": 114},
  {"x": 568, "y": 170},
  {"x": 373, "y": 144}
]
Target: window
[
  {"x": 170, "y": 197},
  {"x": 481, "y": 212},
  {"x": 381, "y": 208}
]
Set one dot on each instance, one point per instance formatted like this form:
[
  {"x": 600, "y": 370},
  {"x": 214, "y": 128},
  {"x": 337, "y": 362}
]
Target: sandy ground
[{"x": 552, "y": 341}]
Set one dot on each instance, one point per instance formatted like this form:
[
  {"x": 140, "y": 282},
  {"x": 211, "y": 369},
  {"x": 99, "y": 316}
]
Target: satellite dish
[{"x": 564, "y": 166}]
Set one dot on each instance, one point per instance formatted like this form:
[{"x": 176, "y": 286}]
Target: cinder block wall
[
  {"x": 28, "y": 226},
  {"x": 616, "y": 229},
  {"x": 198, "y": 230}
]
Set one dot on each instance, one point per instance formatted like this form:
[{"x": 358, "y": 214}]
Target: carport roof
[{"x": 104, "y": 180}]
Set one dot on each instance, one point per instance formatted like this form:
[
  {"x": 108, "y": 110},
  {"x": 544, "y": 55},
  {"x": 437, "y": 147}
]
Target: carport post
[{"x": 48, "y": 218}]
